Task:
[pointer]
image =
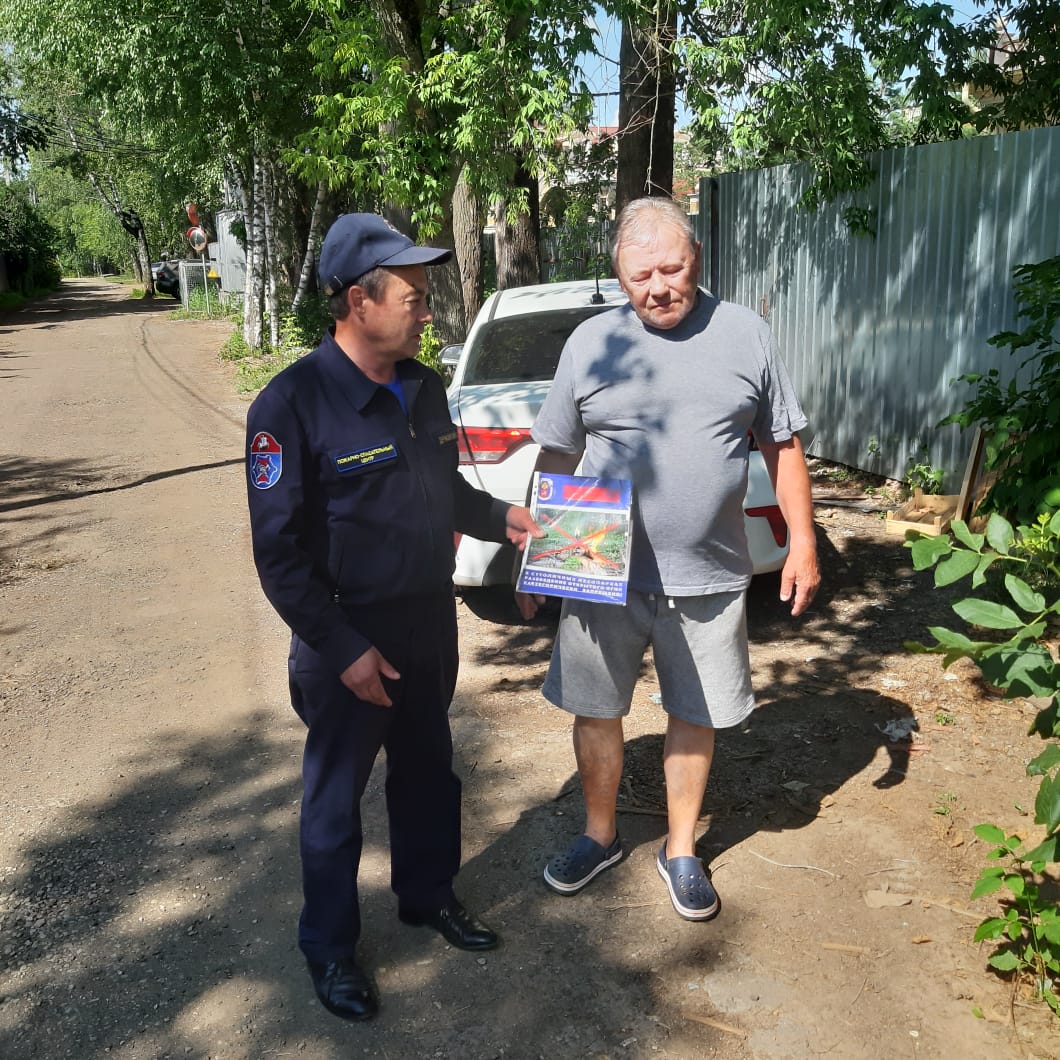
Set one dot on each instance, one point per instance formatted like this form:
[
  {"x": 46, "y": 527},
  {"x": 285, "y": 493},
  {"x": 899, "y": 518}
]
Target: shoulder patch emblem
[{"x": 266, "y": 460}]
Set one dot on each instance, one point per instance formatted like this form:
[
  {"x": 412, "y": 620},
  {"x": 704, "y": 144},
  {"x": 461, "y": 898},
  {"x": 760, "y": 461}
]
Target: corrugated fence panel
[{"x": 876, "y": 330}]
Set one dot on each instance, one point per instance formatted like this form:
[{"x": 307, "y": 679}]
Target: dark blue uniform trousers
[{"x": 418, "y": 638}]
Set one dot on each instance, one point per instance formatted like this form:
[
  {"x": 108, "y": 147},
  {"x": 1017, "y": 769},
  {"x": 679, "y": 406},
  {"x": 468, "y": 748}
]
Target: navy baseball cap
[{"x": 359, "y": 242}]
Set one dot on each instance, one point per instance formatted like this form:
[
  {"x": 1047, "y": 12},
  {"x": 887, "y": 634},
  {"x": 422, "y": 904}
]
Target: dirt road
[{"x": 149, "y": 779}]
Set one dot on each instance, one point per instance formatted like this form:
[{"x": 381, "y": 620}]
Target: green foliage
[
  {"x": 254, "y": 368},
  {"x": 417, "y": 94},
  {"x": 825, "y": 83},
  {"x": 830, "y": 82},
  {"x": 11, "y": 300},
  {"x": 1022, "y": 91},
  {"x": 235, "y": 348},
  {"x": 301, "y": 328},
  {"x": 90, "y": 239},
  {"x": 299, "y": 333},
  {"x": 430, "y": 349},
  {"x": 921, "y": 474},
  {"x": 152, "y": 107},
  {"x": 1017, "y": 659},
  {"x": 19, "y": 132},
  {"x": 27, "y": 243},
  {"x": 1021, "y": 442},
  {"x": 202, "y": 303},
  {"x": 1028, "y": 933},
  {"x": 254, "y": 372},
  {"x": 575, "y": 241}
]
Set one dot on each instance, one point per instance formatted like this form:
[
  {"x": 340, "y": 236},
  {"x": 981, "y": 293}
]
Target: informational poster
[{"x": 585, "y": 553}]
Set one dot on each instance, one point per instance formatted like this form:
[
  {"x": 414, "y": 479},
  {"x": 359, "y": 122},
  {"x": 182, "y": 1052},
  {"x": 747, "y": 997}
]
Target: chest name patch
[
  {"x": 374, "y": 454},
  {"x": 266, "y": 460},
  {"x": 447, "y": 437}
]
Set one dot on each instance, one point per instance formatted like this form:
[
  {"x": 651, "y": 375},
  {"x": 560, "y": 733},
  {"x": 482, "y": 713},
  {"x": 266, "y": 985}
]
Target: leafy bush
[
  {"x": 27, "y": 243},
  {"x": 1019, "y": 422},
  {"x": 430, "y": 350},
  {"x": 301, "y": 328},
  {"x": 300, "y": 331},
  {"x": 1020, "y": 663},
  {"x": 235, "y": 347},
  {"x": 921, "y": 474}
]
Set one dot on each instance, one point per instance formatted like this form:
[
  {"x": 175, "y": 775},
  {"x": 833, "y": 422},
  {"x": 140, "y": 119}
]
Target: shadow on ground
[
  {"x": 81, "y": 300},
  {"x": 162, "y": 920},
  {"x": 161, "y": 923}
]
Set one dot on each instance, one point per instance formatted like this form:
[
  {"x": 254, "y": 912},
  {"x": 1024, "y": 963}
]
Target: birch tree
[{"x": 212, "y": 86}]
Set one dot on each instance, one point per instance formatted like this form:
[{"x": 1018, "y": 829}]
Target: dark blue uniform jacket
[{"x": 353, "y": 502}]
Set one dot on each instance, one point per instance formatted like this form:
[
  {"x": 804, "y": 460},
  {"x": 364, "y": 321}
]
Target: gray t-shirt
[{"x": 671, "y": 410}]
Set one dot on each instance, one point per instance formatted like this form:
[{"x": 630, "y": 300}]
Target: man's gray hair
[
  {"x": 640, "y": 219},
  {"x": 373, "y": 282}
]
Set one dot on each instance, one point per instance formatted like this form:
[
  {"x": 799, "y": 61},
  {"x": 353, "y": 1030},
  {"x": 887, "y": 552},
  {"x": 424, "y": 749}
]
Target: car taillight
[
  {"x": 490, "y": 445},
  {"x": 772, "y": 515}
]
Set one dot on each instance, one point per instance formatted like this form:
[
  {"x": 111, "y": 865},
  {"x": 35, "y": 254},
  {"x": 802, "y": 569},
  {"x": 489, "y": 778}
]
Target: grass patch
[
  {"x": 202, "y": 307},
  {"x": 255, "y": 371},
  {"x": 235, "y": 348},
  {"x": 11, "y": 300},
  {"x": 254, "y": 368}
]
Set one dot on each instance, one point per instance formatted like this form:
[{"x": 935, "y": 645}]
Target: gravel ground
[{"x": 148, "y": 863}]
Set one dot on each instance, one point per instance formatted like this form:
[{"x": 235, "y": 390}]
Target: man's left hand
[{"x": 521, "y": 526}]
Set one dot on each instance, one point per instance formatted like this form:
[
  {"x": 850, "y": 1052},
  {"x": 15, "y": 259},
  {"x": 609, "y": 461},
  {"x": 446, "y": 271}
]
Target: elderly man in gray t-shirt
[{"x": 665, "y": 392}]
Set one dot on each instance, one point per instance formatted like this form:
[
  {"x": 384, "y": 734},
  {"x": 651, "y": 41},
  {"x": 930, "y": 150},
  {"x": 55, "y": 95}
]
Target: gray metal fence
[{"x": 875, "y": 330}]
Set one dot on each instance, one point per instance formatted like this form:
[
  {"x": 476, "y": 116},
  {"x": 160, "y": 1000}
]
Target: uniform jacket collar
[{"x": 357, "y": 387}]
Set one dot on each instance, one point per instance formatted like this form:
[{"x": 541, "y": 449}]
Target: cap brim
[{"x": 419, "y": 256}]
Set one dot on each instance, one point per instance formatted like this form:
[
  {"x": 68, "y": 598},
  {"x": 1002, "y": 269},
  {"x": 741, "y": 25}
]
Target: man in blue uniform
[{"x": 354, "y": 500}]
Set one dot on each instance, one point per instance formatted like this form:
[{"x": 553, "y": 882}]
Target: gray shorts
[{"x": 700, "y": 649}]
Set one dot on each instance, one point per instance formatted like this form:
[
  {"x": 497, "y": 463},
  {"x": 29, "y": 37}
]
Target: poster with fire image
[{"x": 585, "y": 553}]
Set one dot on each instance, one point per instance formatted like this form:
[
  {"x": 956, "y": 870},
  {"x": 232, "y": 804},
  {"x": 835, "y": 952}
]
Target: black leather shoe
[
  {"x": 455, "y": 924},
  {"x": 344, "y": 989}
]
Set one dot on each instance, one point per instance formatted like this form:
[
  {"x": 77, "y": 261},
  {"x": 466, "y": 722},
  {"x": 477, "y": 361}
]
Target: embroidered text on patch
[
  {"x": 374, "y": 454},
  {"x": 266, "y": 460}
]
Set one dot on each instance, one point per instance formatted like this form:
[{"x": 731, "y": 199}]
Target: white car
[{"x": 501, "y": 375}]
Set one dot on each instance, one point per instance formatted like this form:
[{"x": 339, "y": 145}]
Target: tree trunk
[
  {"x": 312, "y": 249},
  {"x": 270, "y": 258},
  {"x": 468, "y": 220},
  {"x": 128, "y": 218},
  {"x": 284, "y": 259},
  {"x": 130, "y": 221},
  {"x": 518, "y": 247},
  {"x": 447, "y": 301},
  {"x": 647, "y": 107},
  {"x": 143, "y": 256},
  {"x": 252, "y": 322}
]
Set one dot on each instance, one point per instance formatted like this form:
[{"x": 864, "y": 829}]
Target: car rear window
[{"x": 523, "y": 349}]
